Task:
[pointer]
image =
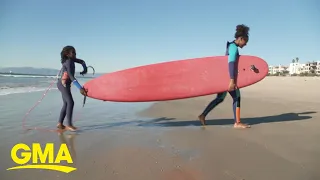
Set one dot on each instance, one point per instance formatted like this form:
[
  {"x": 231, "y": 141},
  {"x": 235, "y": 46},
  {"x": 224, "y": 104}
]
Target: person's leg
[
  {"x": 220, "y": 97},
  {"x": 63, "y": 109},
  {"x": 236, "y": 109},
  {"x": 67, "y": 96},
  {"x": 70, "y": 105},
  {"x": 63, "y": 113}
]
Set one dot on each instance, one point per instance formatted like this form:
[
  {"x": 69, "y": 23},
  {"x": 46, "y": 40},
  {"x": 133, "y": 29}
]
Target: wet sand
[{"x": 168, "y": 142}]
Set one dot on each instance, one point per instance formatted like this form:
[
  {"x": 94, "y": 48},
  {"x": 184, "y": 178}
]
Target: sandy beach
[
  {"x": 165, "y": 141},
  {"x": 282, "y": 143}
]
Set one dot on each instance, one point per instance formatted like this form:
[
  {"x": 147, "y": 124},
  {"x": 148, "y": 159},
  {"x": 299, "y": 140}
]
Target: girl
[
  {"x": 68, "y": 58},
  {"x": 241, "y": 40}
]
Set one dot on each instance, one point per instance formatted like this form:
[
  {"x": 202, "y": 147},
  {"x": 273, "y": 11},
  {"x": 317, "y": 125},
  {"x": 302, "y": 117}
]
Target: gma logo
[{"x": 47, "y": 160}]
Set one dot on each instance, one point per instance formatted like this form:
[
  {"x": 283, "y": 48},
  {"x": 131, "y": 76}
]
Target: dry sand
[{"x": 283, "y": 143}]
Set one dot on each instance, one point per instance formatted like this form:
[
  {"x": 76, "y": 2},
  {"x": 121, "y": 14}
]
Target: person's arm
[
  {"x": 72, "y": 78},
  {"x": 233, "y": 55},
  {"x": 83, "y": 63}
]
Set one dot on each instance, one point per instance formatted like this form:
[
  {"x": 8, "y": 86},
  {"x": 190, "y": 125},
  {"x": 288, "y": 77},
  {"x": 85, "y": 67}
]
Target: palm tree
[{"x": 297, "y": 59}]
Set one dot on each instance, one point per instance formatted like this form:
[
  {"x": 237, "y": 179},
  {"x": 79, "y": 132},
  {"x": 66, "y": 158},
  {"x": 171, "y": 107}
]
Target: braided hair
[
  {"x": 242, "y": 31},
  {"x": 65, "y": 51}
]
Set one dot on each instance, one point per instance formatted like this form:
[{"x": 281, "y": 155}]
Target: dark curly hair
[
  {"x": 242, "y": 31},
  {"x": 66, "y": 50}
]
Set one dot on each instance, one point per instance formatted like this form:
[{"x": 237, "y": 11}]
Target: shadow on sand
[
  {"x": 133, "y": 123},
  {"x": 169, "y": 122},
  {"x": 252, "y": 121}
]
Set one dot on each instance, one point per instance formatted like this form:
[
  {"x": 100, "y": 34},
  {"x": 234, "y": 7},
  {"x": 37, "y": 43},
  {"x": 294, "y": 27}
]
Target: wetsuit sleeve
[
  {"x": 233, "y": 53},
  {"x": 83, "y": 63},
  {"x": 72, "y": 78}
]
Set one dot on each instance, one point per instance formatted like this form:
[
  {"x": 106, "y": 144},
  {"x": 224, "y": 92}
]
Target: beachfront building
[
  {"x": 306, "y": 68},
  {"x": 318, "y": 68},
  {"x": 313, "y": 67},
  {"x": 280, "y": 69},
  {"x": 295, "y": 68}
]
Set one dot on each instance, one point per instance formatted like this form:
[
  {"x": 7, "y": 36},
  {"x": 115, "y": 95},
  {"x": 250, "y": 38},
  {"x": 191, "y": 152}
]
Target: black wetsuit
[
  {"x": 64, "y": 86},
  {"x": 233, "y": 59}
]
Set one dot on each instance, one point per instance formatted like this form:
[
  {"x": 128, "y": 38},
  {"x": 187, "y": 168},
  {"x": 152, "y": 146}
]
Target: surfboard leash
[{"x": 85, "y": 97}]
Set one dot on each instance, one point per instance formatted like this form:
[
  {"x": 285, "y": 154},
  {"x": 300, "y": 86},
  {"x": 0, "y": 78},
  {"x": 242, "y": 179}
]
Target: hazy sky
[{"x": 112, "y": 35}]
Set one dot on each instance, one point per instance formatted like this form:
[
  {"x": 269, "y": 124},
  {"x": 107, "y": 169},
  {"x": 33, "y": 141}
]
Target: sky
[{"x": 114, "y": 35}]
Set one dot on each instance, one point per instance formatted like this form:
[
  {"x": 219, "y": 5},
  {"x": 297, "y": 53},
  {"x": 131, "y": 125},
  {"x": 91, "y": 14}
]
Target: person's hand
[
  {"x": 84, "y": 72},
  {"x": 83, "y": 92},
  {"x": 232, "y": 85}
]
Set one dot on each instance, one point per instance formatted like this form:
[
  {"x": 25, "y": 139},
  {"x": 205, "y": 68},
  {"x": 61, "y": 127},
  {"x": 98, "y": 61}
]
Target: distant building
[
  {"x": 313, "y": 67},
  {"x": 295, "y": 68},
  {"x": 309, "y": 67},
  {"x": 280, "y": 69}
]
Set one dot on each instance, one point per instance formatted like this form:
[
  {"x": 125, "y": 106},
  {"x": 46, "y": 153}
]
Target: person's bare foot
[
  {"x": 241, "y": 126},
  {"x": 71, "y": 128},
  {"x": 202, "y": 119},
  {"x": 61, "y": 126}
]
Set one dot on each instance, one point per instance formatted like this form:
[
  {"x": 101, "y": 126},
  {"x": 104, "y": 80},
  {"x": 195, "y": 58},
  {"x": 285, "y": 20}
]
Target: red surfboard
[{"x": 175, "y": 79}]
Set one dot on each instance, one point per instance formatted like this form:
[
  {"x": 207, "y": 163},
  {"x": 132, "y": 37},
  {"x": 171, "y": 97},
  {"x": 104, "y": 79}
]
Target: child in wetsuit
[
  {"x": 68, "y": 59},
  {"x": 241, "y": 39}
]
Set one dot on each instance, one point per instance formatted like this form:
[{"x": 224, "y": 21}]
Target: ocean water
[
  {"x": 20, "y": 93},
  {"x": 11, "y": 84}
]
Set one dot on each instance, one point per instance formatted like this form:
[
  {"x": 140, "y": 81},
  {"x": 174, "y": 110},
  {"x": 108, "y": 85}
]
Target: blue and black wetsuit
[
  {"x": 64, "y": 85},
  {"x": 233, "y": 57}
]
